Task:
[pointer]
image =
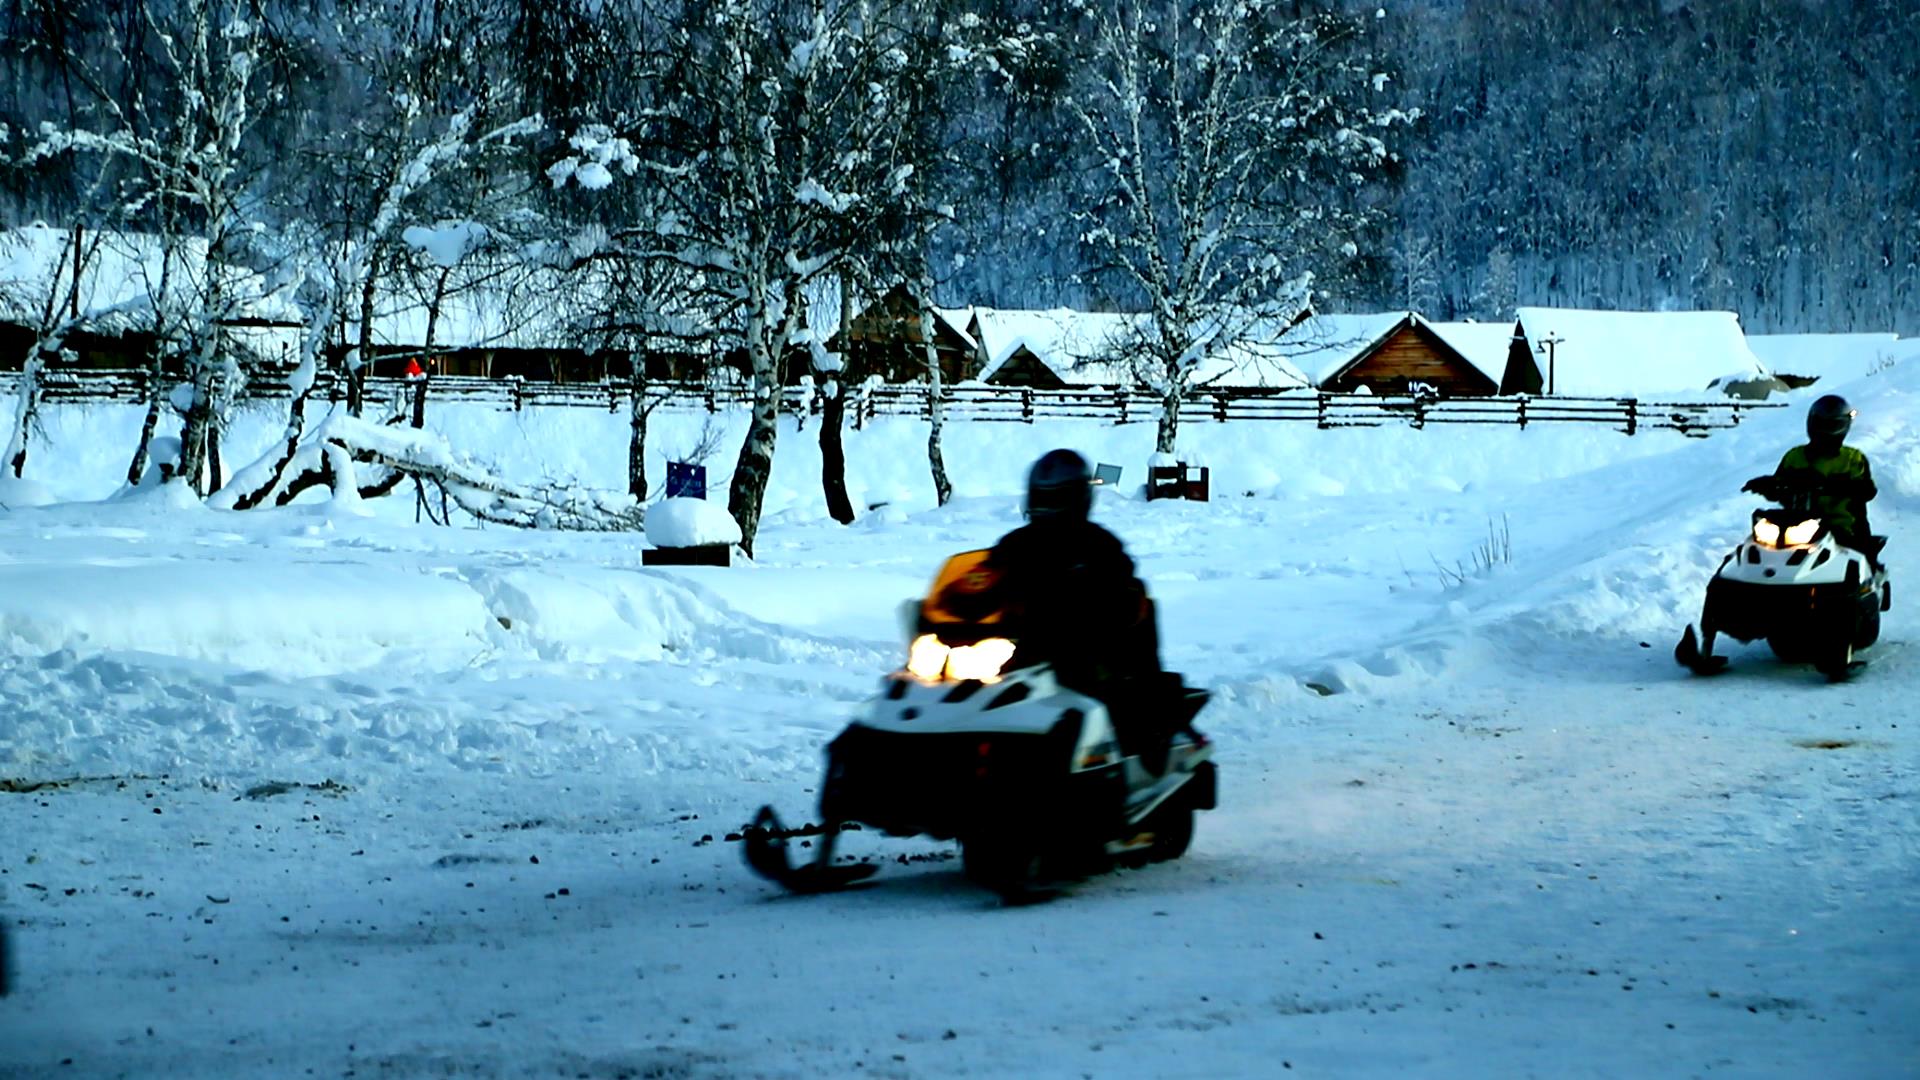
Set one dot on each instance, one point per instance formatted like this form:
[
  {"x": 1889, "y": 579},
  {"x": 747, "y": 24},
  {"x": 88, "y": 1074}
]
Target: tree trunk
[
  {"x": 16, "y": 461},
  {"x": 215, "y": 479},
  {"x": 833, "y": 453},
  {"x": 361, "y": 356},
  {"x": 426, "y": 349},
  {"x": 833, "y": 413},
  {"x": 936, "y": 460},
  {"x": 637, "y": 414},
  {"x": 1168, "y": 430},
  {"x": 198, "y": 425},
  {"x": 156, "y": 378},
  {"x": 296, "y": 425},
  {"x": 750, "y": 474}
]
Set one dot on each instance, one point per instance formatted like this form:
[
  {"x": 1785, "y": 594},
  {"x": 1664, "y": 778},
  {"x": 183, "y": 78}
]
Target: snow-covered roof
[
  {"x": 1322, "y": 346},
  {"x": 959, "y": 319},
  {"x": 1835, "y": 357},
  {"x": 122, "y": 279},
  {"x": 1483, "y": 344},
  {"x": 1257, "y": 354},
  {"x": 1087, "y": 348},
  {"x": 1627, "y": 353},
  {"x": 1080, "y": 347}
]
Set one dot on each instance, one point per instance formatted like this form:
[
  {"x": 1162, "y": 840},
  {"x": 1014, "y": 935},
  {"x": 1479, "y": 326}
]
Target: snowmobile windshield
[{"x": 965, "y": 595}]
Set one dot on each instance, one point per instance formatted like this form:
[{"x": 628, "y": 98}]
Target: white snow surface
[
  {"x": 1636, "y": 353},
  {"x": 1467, "y": 828},
  {"x": 679, "y": 523}
]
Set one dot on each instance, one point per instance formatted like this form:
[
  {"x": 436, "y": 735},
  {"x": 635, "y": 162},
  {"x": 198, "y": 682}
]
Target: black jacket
[{"x": 1072, "y": 591}]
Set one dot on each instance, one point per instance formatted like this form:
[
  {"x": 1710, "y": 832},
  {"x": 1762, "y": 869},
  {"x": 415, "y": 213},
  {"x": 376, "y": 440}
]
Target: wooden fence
[{"x": 990, "y": 403}]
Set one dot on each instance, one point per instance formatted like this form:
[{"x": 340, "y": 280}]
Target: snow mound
[
  {"x": 678, "y": 523},
  {"x": 20, "y": 491}
]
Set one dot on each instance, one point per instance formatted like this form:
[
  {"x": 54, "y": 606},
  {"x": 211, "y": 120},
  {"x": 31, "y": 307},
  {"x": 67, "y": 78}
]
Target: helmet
[
  {"x": 1829, "y": 420},
  {"x": 1059, "y": 485}
]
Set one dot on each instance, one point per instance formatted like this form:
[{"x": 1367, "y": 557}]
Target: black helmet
[
  {"x": 1829, "y": 420},
  {"x": 1060, "y": 485}
]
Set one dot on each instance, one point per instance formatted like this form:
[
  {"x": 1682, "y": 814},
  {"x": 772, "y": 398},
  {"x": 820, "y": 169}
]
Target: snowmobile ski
[
  {"x": 1689, "y": 656},
  {"x": 765, "y": 844}
]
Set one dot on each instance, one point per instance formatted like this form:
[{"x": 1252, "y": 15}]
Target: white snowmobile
[
  {"x": 1030, "y": 776},
  {"x": 1793, "y": 583}
]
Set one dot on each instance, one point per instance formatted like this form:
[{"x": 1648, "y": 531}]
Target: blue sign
[{"x": 686, "y": 480}]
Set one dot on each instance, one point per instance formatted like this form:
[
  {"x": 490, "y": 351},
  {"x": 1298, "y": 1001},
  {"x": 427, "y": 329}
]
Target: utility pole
[{"x": 1546, "y": 345}]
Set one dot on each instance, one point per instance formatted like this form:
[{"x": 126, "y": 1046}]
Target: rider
[
  {"x": 1080, "y": 605},
  {"x": 1845, "y": 482}
]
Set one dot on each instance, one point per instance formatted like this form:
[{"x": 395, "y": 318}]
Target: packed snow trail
[{"x": 1654, "y": 882}]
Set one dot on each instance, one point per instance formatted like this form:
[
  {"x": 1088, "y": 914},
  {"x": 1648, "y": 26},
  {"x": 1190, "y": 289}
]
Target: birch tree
[
  {"x": 190, "y": 181},
  {"x": 1224, "y": 132},
  {"x": 777, "y": 139},
  {"x": 58, "y": 314},
  {"x": 348, "y": 278}
]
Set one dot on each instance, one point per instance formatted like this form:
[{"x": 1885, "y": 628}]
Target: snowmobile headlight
[
  {"x": 982, "y": 660},
  {"x": 927, "y": 658},
  {"x": 1766, "y": 533},
  {"x": 1804, "y": 532}
]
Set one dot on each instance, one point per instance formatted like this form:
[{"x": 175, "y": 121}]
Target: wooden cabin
[
  {"x": 1410, "y": 356},
  {"x": 884, "y": 339}
]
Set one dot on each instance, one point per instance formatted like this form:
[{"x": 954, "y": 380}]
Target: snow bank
[{"x": 267, "y": 615}]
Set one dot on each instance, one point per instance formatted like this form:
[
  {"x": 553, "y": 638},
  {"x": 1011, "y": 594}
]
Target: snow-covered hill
[{"x": 349, "y": 793}]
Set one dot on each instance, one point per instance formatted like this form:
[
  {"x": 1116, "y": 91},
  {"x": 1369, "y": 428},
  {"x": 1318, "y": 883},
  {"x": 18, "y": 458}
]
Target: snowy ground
[{"x": 351, "y": 796}]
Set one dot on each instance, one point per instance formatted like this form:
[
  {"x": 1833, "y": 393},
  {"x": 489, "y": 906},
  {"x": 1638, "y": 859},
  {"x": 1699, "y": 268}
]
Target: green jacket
[{"x": 1845, "y": 514}]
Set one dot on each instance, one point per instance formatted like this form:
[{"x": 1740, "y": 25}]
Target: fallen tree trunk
[{"x": 342, "y": 444}]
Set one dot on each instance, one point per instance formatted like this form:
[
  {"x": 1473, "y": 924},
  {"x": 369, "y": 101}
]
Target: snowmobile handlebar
[{"x": 1786, "y": 488}]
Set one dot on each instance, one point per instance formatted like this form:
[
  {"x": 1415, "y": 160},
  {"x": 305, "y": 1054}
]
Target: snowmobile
[
  {"x": 1791, "y": 581},
  {"x": 971, "y": 740}
]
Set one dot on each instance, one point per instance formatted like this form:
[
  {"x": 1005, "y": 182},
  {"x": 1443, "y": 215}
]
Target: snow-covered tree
[
  {"x": 426, "y": 146},
  {"x": 1226, "y": 132},
  {"x": 776, "y": 135},
  {"x": 189, "y": 180},
  {"x": 55, "y": 306}
]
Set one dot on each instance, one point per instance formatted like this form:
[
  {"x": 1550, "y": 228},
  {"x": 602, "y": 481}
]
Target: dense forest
[{"x": 1758, "y": 155}]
